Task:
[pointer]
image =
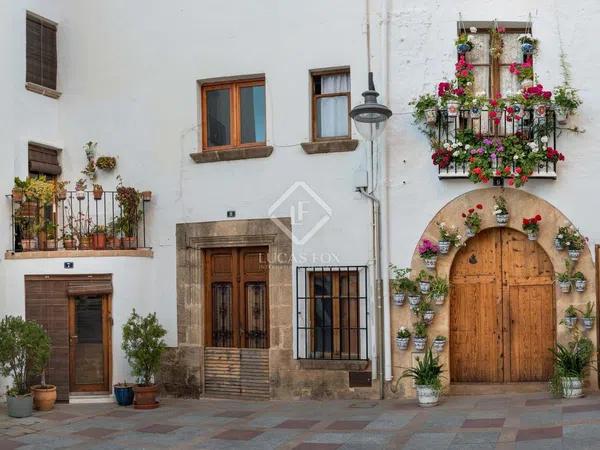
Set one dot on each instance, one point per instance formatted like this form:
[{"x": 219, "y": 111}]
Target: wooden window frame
[
  {"x": 316, "y": 97},
  {"x": 494, "y": 63},
  {"x": 234, "y": 88}
]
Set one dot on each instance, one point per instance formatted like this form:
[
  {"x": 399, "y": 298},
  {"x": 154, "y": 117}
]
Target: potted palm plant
[
  {"x": 420, "y": 336},
  {"x": 580, "y": 281},
  {"x": 424, "y": 280},
  {"x": 143, "y": 345},
  {"x": 439, "y": 290},
  {"x": 439, "y": 343},
  {"x": 571, "y": 362},
  {"x": 402, "y": 338},
  {"x": 588, "y": 316},
  {"x": 427, "y": 377},
  {"x": 24, "y": 352},
  {"x": 399, "y": 283},
  {"x": 570, "y": 319}
]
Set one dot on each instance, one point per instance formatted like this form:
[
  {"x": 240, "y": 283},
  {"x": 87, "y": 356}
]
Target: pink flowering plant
[{"x": 428, "y": 249}]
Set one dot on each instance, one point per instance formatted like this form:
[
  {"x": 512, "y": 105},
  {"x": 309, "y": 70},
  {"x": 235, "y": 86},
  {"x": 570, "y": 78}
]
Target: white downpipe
[{"x": 385, "y": 261}]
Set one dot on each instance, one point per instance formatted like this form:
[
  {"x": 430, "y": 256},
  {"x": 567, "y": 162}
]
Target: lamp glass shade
[{"x": 370, "y": 131}]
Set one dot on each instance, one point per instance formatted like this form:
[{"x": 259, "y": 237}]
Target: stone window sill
[
  {"x": 233, "y": 154},
  {"x": 334, "y": 146},
  {"x": 336, "y": 364},
  {"x": 48, "y": 92},
  {"x": 140, "y": 252}
]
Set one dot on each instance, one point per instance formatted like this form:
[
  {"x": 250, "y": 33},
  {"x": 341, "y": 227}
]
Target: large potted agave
[{"x": 427, "y": 375}]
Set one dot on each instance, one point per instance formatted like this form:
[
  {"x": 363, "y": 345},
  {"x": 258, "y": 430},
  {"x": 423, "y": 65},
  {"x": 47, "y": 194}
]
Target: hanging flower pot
[
  {"x": 588, "y": 323},
  {"x": 98, "y": 191},
  {"x": 439, "y": 344},
  {"x": 463, "y": 48},
  {"x": 561, "y": 116},
  {"x": 424, "y": 286},
  {"x": 453, "y": 108},
  {"x": 570, "y": 322},
  {"x": 439, "y": 299},
  {"x": 430, "y": 263},
  {"x": 574, "y": 254},
  {"x": 80, "y": 195},
  {"x": 475, "y": 112},
  {"x": 444, "y": 247},
  {"x": 402, "y": 343},
  {"x": 580, "y": 285},
  {"x": 565, "y": 286},
  {"x": 399, "y": 298},
  {"x": 428, "y": 316},
  {"x": 414, "y": 300},
  {"x": 526, "y": 83},
  {"x": 527, "y": 48},
  {"x": 419, "y": 343},
  {"x": 146, "y": 196},
  {"x": 470, "y": 233},
  {"x": 539, "y": 112},
  {"x": 431, "y": 116},
  {"x": 558, "y": 245},
  {"x": 502, "y": 219},
  {"x": 532, "y": 235}
]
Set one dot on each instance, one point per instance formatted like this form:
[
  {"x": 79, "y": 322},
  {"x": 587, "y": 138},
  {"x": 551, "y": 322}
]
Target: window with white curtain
[{"x": 330, "y": 104}]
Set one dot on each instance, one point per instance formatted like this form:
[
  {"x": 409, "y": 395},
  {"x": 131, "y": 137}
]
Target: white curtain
[{"x": 333, "y": 111}]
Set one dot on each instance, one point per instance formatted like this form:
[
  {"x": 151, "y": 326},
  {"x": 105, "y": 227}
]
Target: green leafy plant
[
  {"x": 573, "y": 359},
  {"x": 588, "y": 313},
  {"x": 422, "y": 104},
  {"x": 571, "y": 311},
  {"x": 420, "y": 328},
  {"x": 567, "y": 275},
  {"x": 39, "y": 189},
  {"x": 439, "y": 287},
  {"x": 424, "y": 277},
  {"x": 400, "y": 281},
  {"x": 143, "y": 345},
  {"x": 567, "y": 99},
  {"x": 130, "y": 200},
  {"x": 420, "y": 310},
  {"x": 473, "y": 219},
  {"x": 501, "y": 205},
  {"x": 24, "y": 352},
  {"x": 403, "y": 333},
  {"x": 464, "y": 39},
  {"x": 427, "y": 372},
  {"x": 80, "y": 185},
  {"x": 578, "y": 276},
  {"x": 106, "y": 163},
  {"x": 449, "y": 234},
  {"x": 440, "y": 338}
]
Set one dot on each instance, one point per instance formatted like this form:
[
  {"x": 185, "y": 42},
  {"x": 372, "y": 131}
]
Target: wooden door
[
  {"x": 237, "y": 303},
  {"x": 501, "y": 310},
  {"x": 89, "y": 343}
]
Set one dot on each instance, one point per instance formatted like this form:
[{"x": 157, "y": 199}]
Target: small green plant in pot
[
  {"x": 420, "y": 336},
  {"x": 424, "y": 280},
  {"x": 588, "y": 316},
  {"x": 580, "y": 281},
  {"x": 565, "y": 278},
  {"x": 425, "y": 311},
  {"x": 425, "y": 108},
  {"x": 571, "y": 363},
  {"x": 570, "y": 319},
  {"x": 439, "y": 343},
  {"x": 427, "y": 376},
  {"x": 501, "y": 211},
  {"x": 449, "y": 236},
  {"x": 439, "y": 290},
  {"x": 412, "y": 292},
  {"x": 400, "y": 284},
  {"x": 143, "y": 345},
  {"x": 402, "y": 338},
  {"x": 24, "y": 352},
  {"x": 566, "y": 101}
]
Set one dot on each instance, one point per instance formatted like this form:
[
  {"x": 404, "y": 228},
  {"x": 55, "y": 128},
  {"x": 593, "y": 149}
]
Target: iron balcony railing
[
  {"x": 77, "y": 220},
  {"x": 530, "y": 123},
  {"x": 332, "y": 313}
]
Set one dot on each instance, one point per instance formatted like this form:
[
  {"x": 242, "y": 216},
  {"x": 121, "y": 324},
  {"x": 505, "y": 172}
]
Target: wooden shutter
[
  {"x": 43, "y": 160},
  {"x": 41, "y": 52}
]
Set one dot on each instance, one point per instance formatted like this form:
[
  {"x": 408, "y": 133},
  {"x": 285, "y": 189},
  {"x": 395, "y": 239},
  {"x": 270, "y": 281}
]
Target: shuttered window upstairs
[
  {"x": 43, "y": 160},
  {"x": 41, "y": 52}
]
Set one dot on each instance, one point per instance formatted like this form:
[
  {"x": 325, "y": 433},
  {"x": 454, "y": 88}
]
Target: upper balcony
[
  {"x": 511, "y": 140},
  {"x": 79, "y": 223}
]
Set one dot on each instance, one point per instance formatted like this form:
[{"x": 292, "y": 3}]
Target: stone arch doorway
[{"x": 502, "y": 314}]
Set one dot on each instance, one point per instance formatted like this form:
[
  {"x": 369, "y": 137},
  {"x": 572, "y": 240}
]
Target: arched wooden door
[{"x": 502, "y": 316}]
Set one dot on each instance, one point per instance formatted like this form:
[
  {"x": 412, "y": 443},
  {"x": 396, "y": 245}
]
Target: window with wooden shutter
[
  {"x": 43, "y": 160},
  {"x": 41, "y": 52}
]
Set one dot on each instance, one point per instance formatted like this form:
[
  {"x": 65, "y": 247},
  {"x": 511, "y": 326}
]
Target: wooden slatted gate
[{"x": 236, "y": 373}]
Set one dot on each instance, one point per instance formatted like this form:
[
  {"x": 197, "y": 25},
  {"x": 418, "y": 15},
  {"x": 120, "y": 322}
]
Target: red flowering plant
[
  {"x": 531, "y": 225},
  {"x": 534, "y": 95},
  {"x": 464, "y": 73},
  {"x": 428, "y": 249},
  {"x": 554, "y": 155},
  {"x": 473, "y": 219},
  {"x": 442, "y": 157},
  {"x": 522, "y": 71}
]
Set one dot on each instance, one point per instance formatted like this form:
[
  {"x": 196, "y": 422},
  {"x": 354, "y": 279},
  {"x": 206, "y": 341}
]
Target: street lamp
[{"x": 370, "y": 117}]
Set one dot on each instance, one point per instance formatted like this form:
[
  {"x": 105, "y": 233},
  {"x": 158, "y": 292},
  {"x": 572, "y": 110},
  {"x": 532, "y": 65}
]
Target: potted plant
[
  {"x": 146, "y": 196},
  {"x": 580, "y": 282},
  {"x": 439, "y": 290},
  {"x": 425, "y": 108},
  {"x": 571, "y": 362},
  {"x": 61, "y": 190},
  {"x": 400, "y": 284},
  {"x": 472, "y": 220},
  {"x": 113, "y": 232},
  {"x": 402, "y": 338},
  {"x": 424, "y": 280},
  {"x": 570, "y": 319},
  {"x": 564, "y": 281},
  {"x": 420, "y": 336},
  {"x": 427, "y": 378},
  {"x": 575, "y": 243},
  {"x": 106, "y": 163},
  {"x": 501, "y": 211},
  {"x": 99, "y": 237},
  {"x": 98, "y": 191},
  {"x": 143, "y": 345},
  {"x": 24, "y": 352},
  {"x": 412, "y": 292},
  {"x": 463, "y": 43},
  {"x": 51, "y": 240},
  {"x": 566, "y": 101},
  {"x": 448, "y": 237},
  {"x": 425, "y": 311},
  {"x": 44, "y": 395},
  {"x": 68, "y": 241},
  {"x": 528, "y": 43},
  {"x": 561, "y": 238},
  {"x": 85, "y": 241},
  {"x": 588, "y": 316},
  {"x": 428, "y": 252},
  {"x": 531, "y": 227},
  {"x": 129, "y": 200},
  {"x": 124, "y": 393},
  {"x": 439, "y": 343},
  {"x": 18, "y": 190},
  {"x": 80, "y": 187}
]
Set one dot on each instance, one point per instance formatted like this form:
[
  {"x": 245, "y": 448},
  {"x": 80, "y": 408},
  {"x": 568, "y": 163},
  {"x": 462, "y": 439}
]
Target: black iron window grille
[{"x": 332, "y": 313}]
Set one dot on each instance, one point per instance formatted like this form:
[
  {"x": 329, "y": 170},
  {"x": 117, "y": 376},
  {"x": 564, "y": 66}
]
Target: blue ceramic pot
[
  {"x": 463, "y": 48},
  {"x": 527, "y": 48},
  {"x": 124, "y": 395}
]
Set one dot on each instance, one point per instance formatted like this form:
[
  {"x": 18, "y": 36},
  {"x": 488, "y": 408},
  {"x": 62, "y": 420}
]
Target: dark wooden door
[
  {"x": 501, "y": 310},
  {"x": 237, "y": 301},
  {"x": 89, "y": 343}
]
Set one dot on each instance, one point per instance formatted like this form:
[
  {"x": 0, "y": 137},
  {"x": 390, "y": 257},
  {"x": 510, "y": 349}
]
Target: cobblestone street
[{"x": 524, "y": 421}]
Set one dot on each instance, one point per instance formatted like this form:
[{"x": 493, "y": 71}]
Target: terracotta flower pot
[
  {"x": 145, "y": 397},
  {"x": 84, "y": 243},
  {"x": 98, "y": 193},
  {"x": 50, "y": 244},
  {"x": 114, "y": 243},
  {"x": 69, "y": 244},
  {"x": 146, "y": 196},
  {"x": 17, "y": 195},
  {"x": 80, "y": 195},
  {"x": 44, "y": 397},
  {"x": 129, "y": 242},
  {"x": 99, "y": 241},
  {"x": 29, "y": 245},
  {"x": 61, "y": 194}
]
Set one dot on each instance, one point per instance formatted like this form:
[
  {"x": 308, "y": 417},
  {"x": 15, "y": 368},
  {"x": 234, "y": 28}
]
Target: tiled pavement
[{"x": 519, "y": 421}]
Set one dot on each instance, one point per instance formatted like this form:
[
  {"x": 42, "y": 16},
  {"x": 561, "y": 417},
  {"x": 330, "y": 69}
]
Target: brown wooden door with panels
[
  {"x": 236, "y": 297},
  {"x": 502, "y": 316}
]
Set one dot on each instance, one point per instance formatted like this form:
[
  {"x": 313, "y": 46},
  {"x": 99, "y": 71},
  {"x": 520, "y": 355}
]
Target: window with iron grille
[{"x": 332, "y": 313}]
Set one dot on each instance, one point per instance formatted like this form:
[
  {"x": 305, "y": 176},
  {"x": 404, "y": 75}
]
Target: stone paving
[{"x": 517, "y": 421}]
